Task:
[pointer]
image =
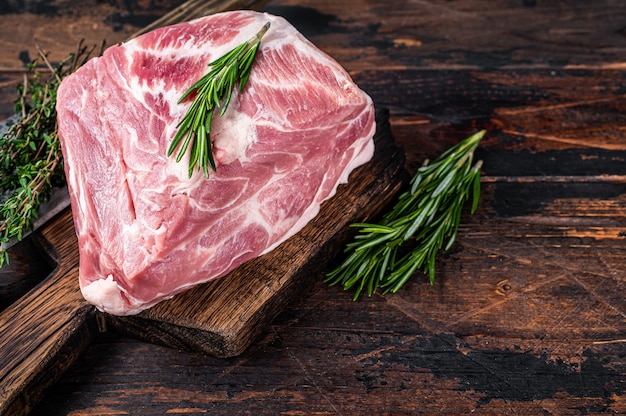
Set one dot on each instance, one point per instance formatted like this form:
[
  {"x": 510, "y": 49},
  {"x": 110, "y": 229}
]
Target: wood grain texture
[
  {"x": 223, "y": 317},
  {"x": 527, "y": 315},
  {"x": 196, "y": 8},
  {"x": 43, "y": 332},
  {"x": 22, "y": 274}
]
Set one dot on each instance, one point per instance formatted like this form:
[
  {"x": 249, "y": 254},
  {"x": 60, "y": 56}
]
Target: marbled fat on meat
[{"x": 146, "y": 231}]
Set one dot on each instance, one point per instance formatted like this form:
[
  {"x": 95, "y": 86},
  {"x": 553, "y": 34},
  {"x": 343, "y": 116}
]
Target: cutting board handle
[{"x": 43, "y": 333}]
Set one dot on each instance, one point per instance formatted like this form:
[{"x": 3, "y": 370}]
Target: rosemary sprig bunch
[
  {"x": 213, "y": 90},
  {"x": 385, "y": 255},
  {"x": 30, "y": 155}
]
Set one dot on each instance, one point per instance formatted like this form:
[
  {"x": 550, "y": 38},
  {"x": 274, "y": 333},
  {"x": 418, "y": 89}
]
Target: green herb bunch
[
  {"x": 213, "y": 90},
  {"x": 385, "y": 255},
  {"x": 30, "y": 155}
]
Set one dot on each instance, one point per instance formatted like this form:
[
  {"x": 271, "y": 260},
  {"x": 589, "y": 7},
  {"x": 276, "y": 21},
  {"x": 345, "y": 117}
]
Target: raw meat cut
[{"x": 146, "y": 231}]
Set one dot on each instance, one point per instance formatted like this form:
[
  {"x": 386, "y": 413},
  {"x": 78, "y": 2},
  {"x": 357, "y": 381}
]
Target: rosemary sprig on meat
[
  {"x": 213, "y": 90},
  {"x": 30, "y": 154},
  {"x": 385, "y": 255}
]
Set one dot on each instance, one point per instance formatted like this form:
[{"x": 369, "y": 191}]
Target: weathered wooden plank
[
  {"x": 527, "y": 313},
  {"x": 468, "y": 34},
  {"x": 43, "y": 332},
  {"x": 536, "y": 125},
  {"x": 22, "y": 273},
  {"x": 194, "y": 8}
]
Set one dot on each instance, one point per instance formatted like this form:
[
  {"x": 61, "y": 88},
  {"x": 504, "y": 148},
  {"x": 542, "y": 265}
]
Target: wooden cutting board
[
  {"x": 223, "y": 317},
  {"x": 45, "y": 331}
]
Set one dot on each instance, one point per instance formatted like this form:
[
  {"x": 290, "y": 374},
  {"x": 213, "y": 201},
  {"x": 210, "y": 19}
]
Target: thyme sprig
[
  {"x": 30, "y": 154},
  {"x": 213, "y": 90},
  {"x": 385, "y": 255}
]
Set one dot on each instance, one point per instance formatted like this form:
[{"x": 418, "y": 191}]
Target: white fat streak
[
  {"x": 132, "y": 134},
  {"x": 232, "y": 134},
  {"x": 361, "y": 157},
  {"x": 239, "y": 126},
  {"x": 106, "y": 295},
  {"x": 77, "y": 184}
]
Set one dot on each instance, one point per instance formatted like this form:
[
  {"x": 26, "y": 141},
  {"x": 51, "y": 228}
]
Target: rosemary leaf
[
  {"x": 385, "y": 256},
  {"x": 213, "y": 90}
]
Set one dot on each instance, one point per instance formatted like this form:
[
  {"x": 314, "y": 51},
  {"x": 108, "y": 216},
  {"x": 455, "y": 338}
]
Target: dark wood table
[{"x": 527, "y": 314}]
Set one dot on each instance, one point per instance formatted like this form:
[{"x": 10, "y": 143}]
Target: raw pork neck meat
[{"x": 145, "y": 230}]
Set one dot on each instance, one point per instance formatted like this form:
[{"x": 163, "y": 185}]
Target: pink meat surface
[{"x": 146, "y": 231}]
